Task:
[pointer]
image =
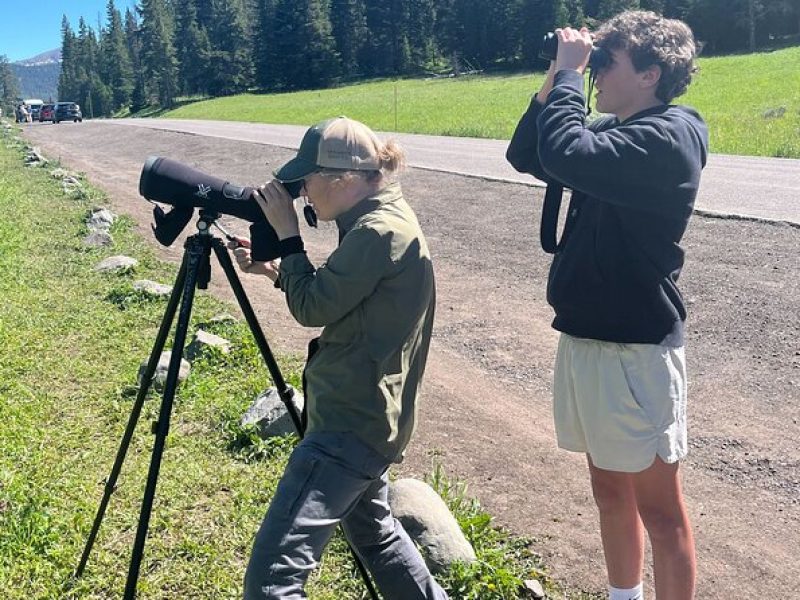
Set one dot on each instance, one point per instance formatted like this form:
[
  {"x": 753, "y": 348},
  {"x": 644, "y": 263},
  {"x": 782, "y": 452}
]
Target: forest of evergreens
[{"x": 165, "y": 49}]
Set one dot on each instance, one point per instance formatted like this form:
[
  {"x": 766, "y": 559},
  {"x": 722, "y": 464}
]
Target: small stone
[
  {"x": 162, "y": 370},
  {"x": 116, "y": 264},
  {"x": 533, "y": 589},
  {"x": 152, "y": 288},
  {"x": 202, "y": 340},
  {"x": 98, "y": 239},
  {"x": 101, "y": 219}
]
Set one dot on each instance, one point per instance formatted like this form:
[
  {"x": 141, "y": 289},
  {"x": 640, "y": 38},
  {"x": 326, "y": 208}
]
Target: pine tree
[
  {"x": 91, "y": 92},
  {"x": 230, "y": 62},
  {"x": 656, "y": 6},
  {"x": 9, "y": 86},
  {"x": 205, "y": 13},
  {"x": 609, "y": 8},
  {"x": 575, "y": 13},
  {"x": 678, "y": 9},
  {"x": 305, "y": 51},
  {"x": 388, "y": 51},
  {"x": 349, "y": 28},
  {"x": 67, "y": 78},
  {"x": 421, "y": 23},
  {"x": 115, "y": 62},
  {"x": 192, "y": 48},
  {"x": 538, "y": 18},
  {"x": 264, "y": 47},
  {"x": 158, "y": 54},
  {"x": 134, "y": 42}
]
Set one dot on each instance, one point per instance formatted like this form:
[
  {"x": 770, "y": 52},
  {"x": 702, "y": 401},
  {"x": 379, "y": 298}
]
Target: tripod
[{"x": 195, "y": 271}]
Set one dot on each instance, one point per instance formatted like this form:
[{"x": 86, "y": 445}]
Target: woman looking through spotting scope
[{"x": 374, "y": 298}]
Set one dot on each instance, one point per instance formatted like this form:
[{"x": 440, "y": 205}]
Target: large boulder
[{"x": 429, "y": 522}]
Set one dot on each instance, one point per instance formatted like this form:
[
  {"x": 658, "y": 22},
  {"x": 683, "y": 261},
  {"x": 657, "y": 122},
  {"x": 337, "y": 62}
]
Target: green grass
[
  {"x": 732, "y": 93},
  {"x": 71, "y": 341}
]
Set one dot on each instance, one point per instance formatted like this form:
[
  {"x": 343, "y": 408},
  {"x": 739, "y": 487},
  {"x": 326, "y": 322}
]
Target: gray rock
[
  {"x": 101, "y": 219},
  {"x": 98, "y": 239},
  {"x": 223, "y": 319},
  {"x": 35, "y": 158},
  {"x": 429, "y": 523},
  {"x": 160, "y": 376},
  {"x": 152, "y": 288},
  {"x": 202, "y": 340},
  {"x": 116, "y": 264},
  {"x": 59, "y": 173},
  {"x": 72, "y": 187},
  {"x": 533, "y": 589},
  {"x": 269, "y": 414}
]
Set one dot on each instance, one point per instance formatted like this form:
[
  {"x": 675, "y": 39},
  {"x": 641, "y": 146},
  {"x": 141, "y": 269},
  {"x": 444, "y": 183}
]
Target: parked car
[
  {"x": 34, "y": 105},
  {"x": 47, "y": 112},
  {"x": 67, "y": 111}
]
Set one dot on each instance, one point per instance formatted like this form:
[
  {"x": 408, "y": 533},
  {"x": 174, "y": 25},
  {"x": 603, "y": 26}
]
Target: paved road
[{"x": 762, "y": 188}]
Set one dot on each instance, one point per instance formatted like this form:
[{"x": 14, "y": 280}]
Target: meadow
[{"x": 751, "y": 103}]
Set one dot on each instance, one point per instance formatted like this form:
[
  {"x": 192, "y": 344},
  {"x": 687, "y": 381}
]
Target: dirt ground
[{"x": 486, "y": 412}]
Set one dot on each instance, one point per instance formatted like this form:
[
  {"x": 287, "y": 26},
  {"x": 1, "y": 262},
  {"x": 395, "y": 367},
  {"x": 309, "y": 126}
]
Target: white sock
[{"x": 634, "y": 593}]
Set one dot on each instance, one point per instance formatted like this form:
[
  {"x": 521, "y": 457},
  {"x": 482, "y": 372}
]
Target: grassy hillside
[{"x": 751, "y": 103}]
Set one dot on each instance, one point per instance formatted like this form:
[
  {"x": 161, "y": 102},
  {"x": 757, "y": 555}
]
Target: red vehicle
[{"x": 47, "y": 113}]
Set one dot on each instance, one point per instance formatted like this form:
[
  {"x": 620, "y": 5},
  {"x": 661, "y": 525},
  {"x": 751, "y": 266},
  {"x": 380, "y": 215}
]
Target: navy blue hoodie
[{"x": 634, "y": 184}]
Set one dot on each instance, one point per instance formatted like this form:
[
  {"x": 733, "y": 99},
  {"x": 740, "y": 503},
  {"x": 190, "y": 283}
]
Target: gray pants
[{"x": 332, "y": 478}]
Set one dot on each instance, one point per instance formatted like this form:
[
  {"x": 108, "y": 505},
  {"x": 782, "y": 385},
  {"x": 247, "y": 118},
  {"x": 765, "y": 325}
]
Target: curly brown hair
[{"x": 651, "y": 39}]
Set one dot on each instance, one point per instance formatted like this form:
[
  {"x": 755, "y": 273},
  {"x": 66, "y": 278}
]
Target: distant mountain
[
  {"x": 38, "y": 75},
  {"x": 51, "y": 56}
]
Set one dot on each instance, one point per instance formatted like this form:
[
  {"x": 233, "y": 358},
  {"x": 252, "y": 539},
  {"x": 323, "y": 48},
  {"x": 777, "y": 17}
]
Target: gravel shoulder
[{"x": 486, "y": 411}]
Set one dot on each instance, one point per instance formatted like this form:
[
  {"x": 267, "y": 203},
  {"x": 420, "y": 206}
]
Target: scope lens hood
[{"x": 150, "y": 165}]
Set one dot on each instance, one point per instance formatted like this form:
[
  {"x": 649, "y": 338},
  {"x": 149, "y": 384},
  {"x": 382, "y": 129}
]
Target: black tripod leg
[
  {"x": 152, "y": 364},
  {"x": 284, "y": 391},
  {"x": 195, "y": 248},
  {"x": 272, "y": 365}
]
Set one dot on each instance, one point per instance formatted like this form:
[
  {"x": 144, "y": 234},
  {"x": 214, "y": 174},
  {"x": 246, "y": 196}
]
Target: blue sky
[{"x": 36, "y": 28}]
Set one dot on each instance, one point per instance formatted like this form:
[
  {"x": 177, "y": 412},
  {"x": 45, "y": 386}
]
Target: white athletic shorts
[{"x": 622, "y": 404}]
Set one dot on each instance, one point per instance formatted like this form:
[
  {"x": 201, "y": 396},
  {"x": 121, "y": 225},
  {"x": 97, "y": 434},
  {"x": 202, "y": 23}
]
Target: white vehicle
[{"x": 34, "y": 106}]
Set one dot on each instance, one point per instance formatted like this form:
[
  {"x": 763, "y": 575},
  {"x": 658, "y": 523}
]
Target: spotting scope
[{"x": 184, "y": 188}]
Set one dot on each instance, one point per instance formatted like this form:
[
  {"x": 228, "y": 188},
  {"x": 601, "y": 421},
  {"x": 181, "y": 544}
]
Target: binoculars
[{"x": 598, "y": 59}]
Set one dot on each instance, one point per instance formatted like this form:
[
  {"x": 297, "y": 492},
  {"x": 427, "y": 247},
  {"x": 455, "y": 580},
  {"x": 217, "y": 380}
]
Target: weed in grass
[
  {"x": 246, "y": 444},
  {"x": 126, "y": 297},
  {"x": 503, "y": 562}
]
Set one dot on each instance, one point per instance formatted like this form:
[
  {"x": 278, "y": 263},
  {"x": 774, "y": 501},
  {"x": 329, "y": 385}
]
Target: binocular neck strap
[
  {"x": 592, "y": 78},
  {"x": 550, "y": 210}
]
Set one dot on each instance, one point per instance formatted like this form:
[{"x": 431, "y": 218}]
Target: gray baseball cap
[{"x": 338, "y": 143}]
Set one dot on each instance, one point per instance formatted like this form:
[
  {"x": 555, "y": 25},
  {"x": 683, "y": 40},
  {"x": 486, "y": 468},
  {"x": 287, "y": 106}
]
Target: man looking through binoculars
[
  {"x": 620, "y": 375},
  {"x": 374, "y": 298}
]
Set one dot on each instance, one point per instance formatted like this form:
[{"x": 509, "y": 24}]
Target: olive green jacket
[{"x": 375, "y": 299}]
